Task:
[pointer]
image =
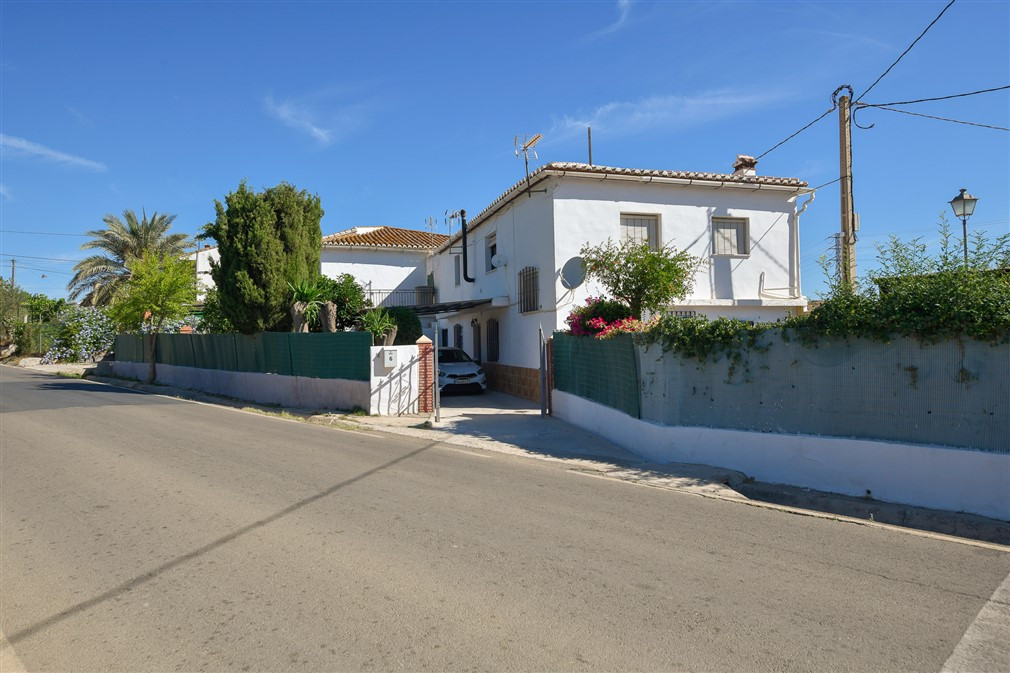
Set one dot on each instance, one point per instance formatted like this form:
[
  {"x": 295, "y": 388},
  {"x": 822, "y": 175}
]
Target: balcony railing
[{"x": 420, "y": 296}]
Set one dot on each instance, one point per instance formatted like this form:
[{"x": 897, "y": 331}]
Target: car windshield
[{"x": 453, "y": 355}]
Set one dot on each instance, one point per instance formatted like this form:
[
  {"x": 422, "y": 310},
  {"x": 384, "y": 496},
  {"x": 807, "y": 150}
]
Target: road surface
[{"x": 142, "y": 533}]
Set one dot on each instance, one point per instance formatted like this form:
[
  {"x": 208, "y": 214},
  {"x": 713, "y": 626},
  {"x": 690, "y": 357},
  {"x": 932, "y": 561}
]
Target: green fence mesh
[
  {"x": 340, "y": 355},
  {"x": 603, "y": 371}
]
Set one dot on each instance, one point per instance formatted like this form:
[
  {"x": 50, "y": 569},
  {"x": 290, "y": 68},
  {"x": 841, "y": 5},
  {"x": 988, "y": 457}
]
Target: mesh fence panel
[
  {"x": 276, "y": 352},
  {"x": 603, "y": 371},
  {"x": 954, "y": 393},
  {"x": 321, "y": 356},
  {"x": 129, "y": 348},
  {"x": 340, "y": 355}
]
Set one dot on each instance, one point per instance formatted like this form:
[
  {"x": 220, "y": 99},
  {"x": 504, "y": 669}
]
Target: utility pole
[
  {"x": 845, "y": 166},
  {"x": 12, "y": 271}
]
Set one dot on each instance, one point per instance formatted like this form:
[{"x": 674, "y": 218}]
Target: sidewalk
[{"x": 498, "y": 422}]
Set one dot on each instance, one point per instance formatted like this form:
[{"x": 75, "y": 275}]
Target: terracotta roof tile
[
  {"x": 385, "y": 237},
  {"x": 565, "y": 167}
]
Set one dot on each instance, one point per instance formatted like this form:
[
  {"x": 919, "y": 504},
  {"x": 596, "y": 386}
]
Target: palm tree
[{"x": 99, "y": 276}]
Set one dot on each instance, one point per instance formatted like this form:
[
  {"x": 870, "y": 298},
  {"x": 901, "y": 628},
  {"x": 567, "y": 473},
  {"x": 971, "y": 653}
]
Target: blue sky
[{"x": 394, "y": 112}]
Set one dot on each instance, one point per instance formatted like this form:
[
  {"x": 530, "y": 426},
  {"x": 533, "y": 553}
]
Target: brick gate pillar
[{"x": 426, "y": 376}]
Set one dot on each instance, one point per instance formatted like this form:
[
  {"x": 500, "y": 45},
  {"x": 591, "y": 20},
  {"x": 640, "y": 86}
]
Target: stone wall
[{"x": 522, "y": 382}]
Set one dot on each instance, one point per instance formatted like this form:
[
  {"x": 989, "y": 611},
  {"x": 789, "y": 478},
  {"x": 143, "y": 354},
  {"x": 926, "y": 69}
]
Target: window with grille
[
  {"x": 730, "y": 236},
  {"x": 444, "y": 337},
  {"x": 456, "y": 267},
  {"x": 529, "y": 290},
  {"x": 641, "y": 229},
  {"x": 457, "y": 336},
  {"x": 492, "y": 340},
  {"x": 490, "y": 250}
]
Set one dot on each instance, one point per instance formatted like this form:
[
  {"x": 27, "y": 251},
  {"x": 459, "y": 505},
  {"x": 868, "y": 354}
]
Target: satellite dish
[
  {"x": 573, "y": 273},
  {"x": 498, "y": 261}
]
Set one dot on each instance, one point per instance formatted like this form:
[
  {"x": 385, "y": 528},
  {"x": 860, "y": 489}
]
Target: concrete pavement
[{"x": 145, "y": 533}]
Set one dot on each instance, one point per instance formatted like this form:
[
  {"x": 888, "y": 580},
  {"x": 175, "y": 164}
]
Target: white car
[{"x": 458, "y": 372}]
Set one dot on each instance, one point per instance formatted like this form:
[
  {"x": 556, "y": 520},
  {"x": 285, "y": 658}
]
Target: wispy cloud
[
  {"x": 664, "y": 112},
  {"x": 26, "y": 148},
  {"x": 4, "y": 192},
  {"x": 321, "y": 116},
  {"x": 623, "y": 9},
  {"x": 79, "y": 116}
]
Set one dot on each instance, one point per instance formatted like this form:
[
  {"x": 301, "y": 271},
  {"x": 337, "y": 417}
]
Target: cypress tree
[{"x": 266, "y": 240}]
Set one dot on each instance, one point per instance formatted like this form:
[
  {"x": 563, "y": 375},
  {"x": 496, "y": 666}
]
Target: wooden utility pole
[
  {"x": 13, "y": 261},
  {"x": 848, "y": 261}
]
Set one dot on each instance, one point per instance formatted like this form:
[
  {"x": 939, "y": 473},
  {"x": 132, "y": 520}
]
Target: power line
[
  {"x": 926, "y": 100},
  {"x": 860, "y": 97},
  {"x": 40, "y": 233},
  {"x": 50, "y": 259},
  {"x": 943, "y": 119},
  {"x": 780, "y": 144},
  {"x": 35, "y": 268}
]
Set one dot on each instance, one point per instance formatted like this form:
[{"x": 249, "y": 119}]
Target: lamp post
[{"x": 964, "y": 205}]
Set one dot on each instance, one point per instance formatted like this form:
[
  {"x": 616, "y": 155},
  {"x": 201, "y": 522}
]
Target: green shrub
[
  {"x": 348, "y": 296},
  {"x": 408, "y": 325},
  {"x": 34, "y": 339}
]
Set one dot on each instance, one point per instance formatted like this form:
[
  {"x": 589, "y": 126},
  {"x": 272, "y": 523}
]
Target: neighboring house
[
  {"x": 743, "y": 226},
  {"x": 387, "y": 262},
  {"x": 204, "y": 282}
]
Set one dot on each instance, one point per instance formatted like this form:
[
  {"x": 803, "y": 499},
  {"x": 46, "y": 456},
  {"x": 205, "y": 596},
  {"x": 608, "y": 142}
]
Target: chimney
[
  {"x": 745, "y": 165},
  {"x": 206, "y": 246}
]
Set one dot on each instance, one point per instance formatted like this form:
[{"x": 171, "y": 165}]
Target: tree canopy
[
  {"x": 267, "y": 242},
  {"x": 100, "y": 276},
  {"x": 643, "y": 277},
  {"x": 160, "y": 288}
]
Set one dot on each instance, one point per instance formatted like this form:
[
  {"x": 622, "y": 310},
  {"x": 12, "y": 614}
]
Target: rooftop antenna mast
[{"x": 525, "y": 144}]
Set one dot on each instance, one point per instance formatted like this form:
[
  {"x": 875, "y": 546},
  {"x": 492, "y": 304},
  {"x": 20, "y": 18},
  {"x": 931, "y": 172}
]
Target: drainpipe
[
  {"x": 796, "y": 254},
  {"x": 462, "y": 218}
]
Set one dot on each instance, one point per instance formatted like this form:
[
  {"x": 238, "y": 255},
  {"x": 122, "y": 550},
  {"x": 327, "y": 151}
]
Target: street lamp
[{"x": 964, "y": 205}]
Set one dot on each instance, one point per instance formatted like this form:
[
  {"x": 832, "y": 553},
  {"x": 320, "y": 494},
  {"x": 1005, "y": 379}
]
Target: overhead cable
[
  {"x": 780, "y": 144},
  {"x": 926, "y": 100},
  {"x": 943, "y": 119},
  {"x": 51, "y": 259},
  {"x": 860, "y": 97},
  {"x": 40, "y": 233}
]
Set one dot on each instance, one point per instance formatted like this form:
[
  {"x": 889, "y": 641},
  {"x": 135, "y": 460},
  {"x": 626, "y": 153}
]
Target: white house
[
  {"x": 203, "y": 257},
  {"x": 388, "y": 262},
  {"x": 743, "y": 226}
]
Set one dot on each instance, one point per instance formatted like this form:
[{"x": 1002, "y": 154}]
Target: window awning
[{"x": 450, "y": 306}]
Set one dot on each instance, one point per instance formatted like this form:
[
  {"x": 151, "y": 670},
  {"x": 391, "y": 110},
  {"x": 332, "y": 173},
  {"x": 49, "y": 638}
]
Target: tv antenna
[{"x": 525, "y": 144}]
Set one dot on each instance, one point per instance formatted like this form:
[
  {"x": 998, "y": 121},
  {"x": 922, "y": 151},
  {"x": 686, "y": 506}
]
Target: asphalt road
[{"x": 140, "y": 533}]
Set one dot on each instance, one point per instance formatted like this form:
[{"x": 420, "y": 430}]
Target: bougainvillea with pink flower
[
  {"x": 595, "y": 316},
  {"x": 627, "y": 326}
]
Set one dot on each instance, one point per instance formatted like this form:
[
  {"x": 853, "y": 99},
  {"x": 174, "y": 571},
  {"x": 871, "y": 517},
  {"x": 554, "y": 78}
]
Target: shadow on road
[{"x": 14, "y": 638}]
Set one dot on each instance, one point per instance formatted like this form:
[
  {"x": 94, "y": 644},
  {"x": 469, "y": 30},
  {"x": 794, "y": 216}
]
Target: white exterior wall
[
  {"x": 394, "y": 390},
  {"x": 589, "y": 210},
  {"x": 925, "y": 476},
  {"x": 204, "y": 282},
  {"x": 376, "y": 269},
  {"x": 524, "y": 236},
  {"x": 546, "y": 230}
]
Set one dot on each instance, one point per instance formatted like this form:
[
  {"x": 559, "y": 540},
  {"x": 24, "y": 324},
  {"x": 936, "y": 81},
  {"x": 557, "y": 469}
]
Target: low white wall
[
  {"x": 394, "y": 390},
  {"x": 299, "y": 392},
  {"x": 925, "y": 476}
]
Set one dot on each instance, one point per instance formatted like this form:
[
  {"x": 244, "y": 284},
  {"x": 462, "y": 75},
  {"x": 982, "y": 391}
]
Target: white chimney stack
[{"x": 745, "y": 165}]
